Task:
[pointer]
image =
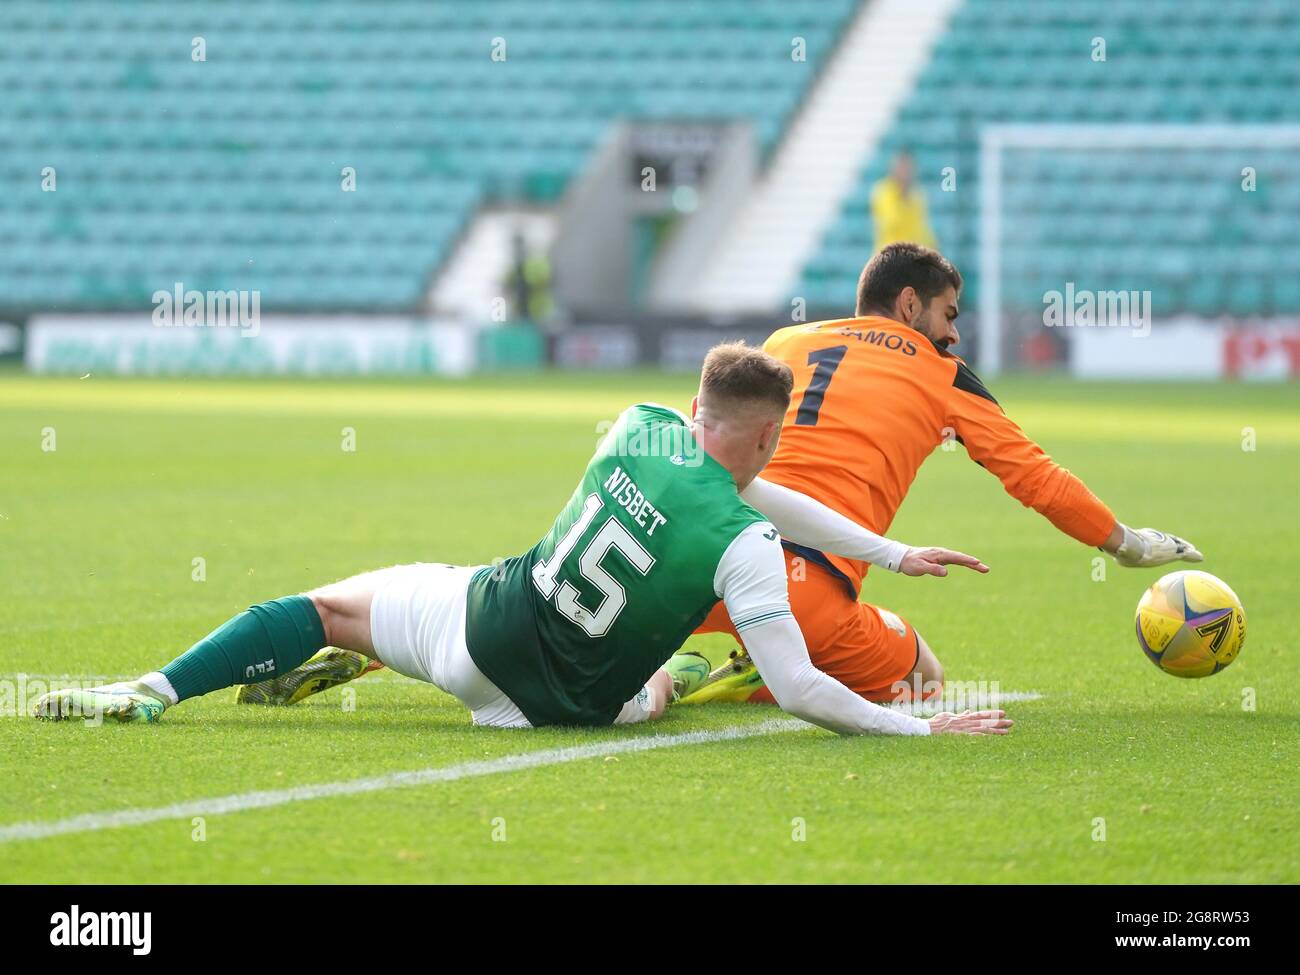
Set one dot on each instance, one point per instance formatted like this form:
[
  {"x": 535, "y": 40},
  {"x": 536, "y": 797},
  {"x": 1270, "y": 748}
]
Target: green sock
[{"x": 266, "y": 640}]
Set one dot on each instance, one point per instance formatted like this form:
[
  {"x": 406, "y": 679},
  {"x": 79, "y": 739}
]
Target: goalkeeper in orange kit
[{"x": 873, "y": 396}]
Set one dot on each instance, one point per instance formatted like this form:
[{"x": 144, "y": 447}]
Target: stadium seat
[{"x": 238, "y": 158}]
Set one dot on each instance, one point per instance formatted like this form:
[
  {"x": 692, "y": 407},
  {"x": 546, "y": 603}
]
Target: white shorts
[{"x": 417, "y": 626}]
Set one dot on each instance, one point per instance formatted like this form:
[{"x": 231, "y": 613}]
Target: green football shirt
[{"x": 573, "y": 628}]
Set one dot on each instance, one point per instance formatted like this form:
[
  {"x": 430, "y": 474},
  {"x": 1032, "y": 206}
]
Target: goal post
[{"x": 1020, "y": 242}]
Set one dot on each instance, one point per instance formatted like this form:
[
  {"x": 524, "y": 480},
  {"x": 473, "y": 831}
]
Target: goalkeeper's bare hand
[{"x": 971, "y": 723}]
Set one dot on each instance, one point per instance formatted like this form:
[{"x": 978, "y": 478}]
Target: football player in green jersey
[{"x": 668, "y": 518}]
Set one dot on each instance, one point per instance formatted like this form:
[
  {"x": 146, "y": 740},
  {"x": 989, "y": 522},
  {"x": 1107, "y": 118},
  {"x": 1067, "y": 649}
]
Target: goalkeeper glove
[{"x": 1146, "y": 547}]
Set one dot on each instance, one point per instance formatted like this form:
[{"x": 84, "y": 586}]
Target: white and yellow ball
[{"x": 1190, "y": 624}]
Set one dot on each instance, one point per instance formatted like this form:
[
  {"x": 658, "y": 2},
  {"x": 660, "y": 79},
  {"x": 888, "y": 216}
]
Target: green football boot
[
  {"x": 736, "y": 681},
  {"x": 689, "y": 670},
  {"x": 127, "y": 703},
  {"x": 328, "y": 668}
]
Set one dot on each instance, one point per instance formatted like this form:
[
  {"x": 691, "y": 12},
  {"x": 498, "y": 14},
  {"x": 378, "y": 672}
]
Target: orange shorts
[{"x": 866, "y": 648}]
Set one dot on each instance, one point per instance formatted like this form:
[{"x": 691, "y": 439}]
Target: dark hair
[
  {"x": 739, "y": 374},
  {"x": 904, "y": 265}
]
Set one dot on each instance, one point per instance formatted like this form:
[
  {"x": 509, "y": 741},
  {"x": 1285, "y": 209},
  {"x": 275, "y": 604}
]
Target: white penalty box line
[{"x": 244, "y": 801}]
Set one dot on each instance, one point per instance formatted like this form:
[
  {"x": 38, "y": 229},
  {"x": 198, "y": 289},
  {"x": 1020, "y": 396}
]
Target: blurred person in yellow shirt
[{"x": 898, "y": 206}]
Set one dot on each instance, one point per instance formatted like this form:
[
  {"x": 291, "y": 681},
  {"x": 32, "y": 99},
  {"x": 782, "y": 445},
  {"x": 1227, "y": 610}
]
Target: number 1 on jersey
[{"x": 826, "y": 361}]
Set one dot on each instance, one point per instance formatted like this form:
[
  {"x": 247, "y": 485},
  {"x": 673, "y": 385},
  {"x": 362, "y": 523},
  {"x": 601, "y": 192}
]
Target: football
[{"x": 1190, "y": 624}]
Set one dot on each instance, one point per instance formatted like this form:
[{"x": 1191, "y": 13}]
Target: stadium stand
[
  {"x": 1164, "y": 220},
  {"x": 226, "y": 173}
]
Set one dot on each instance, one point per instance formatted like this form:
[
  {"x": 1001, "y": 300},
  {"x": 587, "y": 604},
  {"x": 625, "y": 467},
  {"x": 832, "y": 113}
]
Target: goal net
[{"x": 1091, "y": 234}]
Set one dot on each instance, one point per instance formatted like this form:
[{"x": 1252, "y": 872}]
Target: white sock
[{"x": 157, "y": 682}]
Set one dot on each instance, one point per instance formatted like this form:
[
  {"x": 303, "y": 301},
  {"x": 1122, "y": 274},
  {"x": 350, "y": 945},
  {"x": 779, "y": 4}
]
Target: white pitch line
[{"x": 242, "y": 801}]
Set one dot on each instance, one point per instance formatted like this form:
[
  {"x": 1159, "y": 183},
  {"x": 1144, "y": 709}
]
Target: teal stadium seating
[
  {"x": 1173, "y": 222},
  {"x": 226, "y": 173}
]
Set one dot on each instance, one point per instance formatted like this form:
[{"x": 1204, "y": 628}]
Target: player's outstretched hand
[
  {"x": 932, "y": 562},
  {"x": 1145, "y": 547},
  {"x": 971, "y": 723}
]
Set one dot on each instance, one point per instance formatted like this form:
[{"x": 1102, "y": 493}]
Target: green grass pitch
[{"x": 1188, "y": 781}]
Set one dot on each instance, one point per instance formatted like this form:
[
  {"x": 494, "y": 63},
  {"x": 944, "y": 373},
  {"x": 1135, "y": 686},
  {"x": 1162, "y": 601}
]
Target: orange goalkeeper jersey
[{"x": 872, "y": 398}]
